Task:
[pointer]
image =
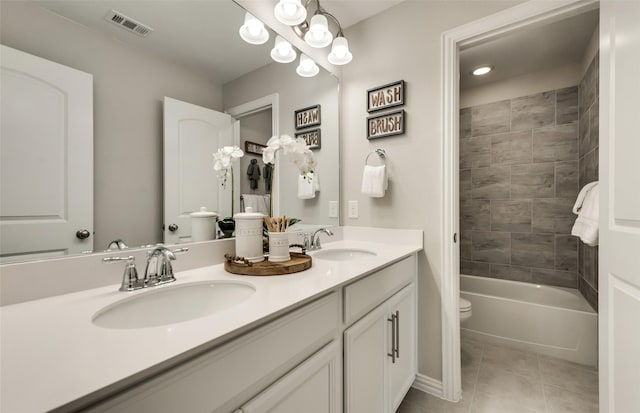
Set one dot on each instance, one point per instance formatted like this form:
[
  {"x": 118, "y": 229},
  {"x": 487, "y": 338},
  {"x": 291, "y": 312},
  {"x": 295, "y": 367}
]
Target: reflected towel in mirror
[{"x": 308, "y": 185}]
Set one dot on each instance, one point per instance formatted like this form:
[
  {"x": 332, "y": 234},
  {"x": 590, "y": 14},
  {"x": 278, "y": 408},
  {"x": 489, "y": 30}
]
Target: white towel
[
  {"x": 308, "y": 185},
  {"x": 588, "y": 210},
  {"x": 259, "y": 203},
  {"x": 374, "y": 181}
]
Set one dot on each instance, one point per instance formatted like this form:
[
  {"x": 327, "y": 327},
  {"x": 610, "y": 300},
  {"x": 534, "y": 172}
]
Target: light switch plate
[
  {"x": 333, "y": 209},
  {"x": 353, "y": 209}
]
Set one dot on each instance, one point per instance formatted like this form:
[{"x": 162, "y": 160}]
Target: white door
[
  {"x": 366, "y": 345},
  {"x": 402, "y": 371},
  {"x": 619, "y": 269},
  {"x": 191, "y": 135},
  {"x": 46, "y": 157}
]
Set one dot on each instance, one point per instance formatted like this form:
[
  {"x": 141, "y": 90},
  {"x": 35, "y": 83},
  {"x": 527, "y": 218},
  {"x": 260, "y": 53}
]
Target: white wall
[
  {"x": 590, "y": 51},
  {"x": 128, "y": 90},
  {"x": 296, "y": 92},
  {"x": 404, "y": 43},
  {"x": 527, "y": 84}
]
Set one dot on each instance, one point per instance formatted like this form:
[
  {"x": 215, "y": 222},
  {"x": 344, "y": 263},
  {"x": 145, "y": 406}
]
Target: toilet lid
[{"x": 465, "y": 305}]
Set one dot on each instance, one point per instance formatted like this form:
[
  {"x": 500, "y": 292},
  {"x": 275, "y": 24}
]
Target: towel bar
[{"x": 380, "y": 152}]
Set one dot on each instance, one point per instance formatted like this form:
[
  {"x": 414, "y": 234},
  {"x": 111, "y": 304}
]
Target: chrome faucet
[
  {"x": 315, "y": 238},
  {"x": 159, "y": 269}
]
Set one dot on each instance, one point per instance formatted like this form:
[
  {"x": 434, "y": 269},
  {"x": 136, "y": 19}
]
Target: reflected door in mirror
[
  {"x": 191, "y": 135},
  {"x": 46, "y": 177}
]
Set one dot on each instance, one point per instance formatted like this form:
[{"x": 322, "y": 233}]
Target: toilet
[{"x": 465, "y": 310}]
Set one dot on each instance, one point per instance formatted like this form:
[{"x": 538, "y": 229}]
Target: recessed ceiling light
[{"x": 482, "y": 70}]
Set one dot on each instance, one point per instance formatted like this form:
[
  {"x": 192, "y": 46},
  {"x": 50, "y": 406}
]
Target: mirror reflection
[{"x": 192, "y": 54}]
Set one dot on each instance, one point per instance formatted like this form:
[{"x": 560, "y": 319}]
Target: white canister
[
  {"x": 279, "y": 246},
  {"x": 203, "y": 225},
  {"x": 249, "y": 235}
]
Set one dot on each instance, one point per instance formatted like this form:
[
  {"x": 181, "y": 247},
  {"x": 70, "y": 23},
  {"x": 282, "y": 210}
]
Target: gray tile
[
  {"x": 532, "y": 181},
  {"x": 501, "y": 403},
  {"x": 465, "y": 184},
  {"x": 556, "y": 143},
  {"x": 553, "y": 215},
  {"x": 567, "y": 105},
  {"x": 465, "y": 123},
  {"x": 532, "y": 250},
  {"x": 589, "y": 293},
  {"x": 417, "y": 401},
  {"x": 511, "y": 272},
  {"x": 511, "y": 148},
  {"x": 581, "y": 247},
  {"x": 567, "y": 279},
  {"x": 512, "y": 389},
  {"x": 569, "y": 376},
  {"x": 591, "y": 166},
  {"x": 465, "y": 245},
  {"x": 480, "y": 269},
  {"x": 566, "y": 174},
  {"x": 491, "y": 183},
  {"x": 493, "y": 247},
  {"x": 582, "y": 167},
  {"x": 475, "y": 152},
  {"x": 583, "y": 135},
  {"x": 564, "y": 401},
  {"x": 590, "y": 273},
  {"x": 566, "y": 253},
  {"x": 512, "y": 216},
  {"x": 490, "y": 118},
  {"x": 587, "y": 88},
  {"x": 594, "y": 126},
  {"x": 475, "y": 215},
  {"x": 533, "y": 111},
  {"x": 514, "y": 361}
]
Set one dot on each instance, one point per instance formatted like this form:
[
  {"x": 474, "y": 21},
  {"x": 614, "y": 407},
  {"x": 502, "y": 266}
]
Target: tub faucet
[
  {"x": 315, "y": 238},
  {"x": 159, "y": 269}
]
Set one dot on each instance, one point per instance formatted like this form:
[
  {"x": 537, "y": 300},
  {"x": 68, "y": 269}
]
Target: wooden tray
[{"x": 238, "y": 265}]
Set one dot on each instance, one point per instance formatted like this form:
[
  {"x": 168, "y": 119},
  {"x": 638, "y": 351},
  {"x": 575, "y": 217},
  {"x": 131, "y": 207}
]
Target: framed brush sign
[
  {"x": 311, "y": 137},
  {"x": 307, "y": 117},
  {"x": 387, "y": 124},
  {"x": 386, "y": 96},
  {"x": 253, "y": 148}
]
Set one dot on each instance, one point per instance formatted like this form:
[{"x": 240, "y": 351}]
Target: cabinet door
[
  {"x": 402, "y": 372},
  {"x": 313, "y": 387},
  {"x": 367, "y": 343}
]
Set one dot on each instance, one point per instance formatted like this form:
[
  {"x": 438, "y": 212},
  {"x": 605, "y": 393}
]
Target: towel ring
[{"x": 380, "y": 152}]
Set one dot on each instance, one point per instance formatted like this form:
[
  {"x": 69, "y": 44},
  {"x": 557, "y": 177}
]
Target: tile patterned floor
[{"x": 498, "y": 379}]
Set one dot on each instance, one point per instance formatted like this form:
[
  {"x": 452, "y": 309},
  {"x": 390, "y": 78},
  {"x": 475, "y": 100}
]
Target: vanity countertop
[{"x": 52, "y": 354}]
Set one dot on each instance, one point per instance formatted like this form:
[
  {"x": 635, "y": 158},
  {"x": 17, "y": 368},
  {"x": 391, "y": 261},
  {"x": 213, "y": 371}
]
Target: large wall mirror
[{"x": 193, "y": 55}]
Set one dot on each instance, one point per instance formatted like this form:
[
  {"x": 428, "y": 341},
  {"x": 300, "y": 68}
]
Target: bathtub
[{"x": 548, "y": 320}]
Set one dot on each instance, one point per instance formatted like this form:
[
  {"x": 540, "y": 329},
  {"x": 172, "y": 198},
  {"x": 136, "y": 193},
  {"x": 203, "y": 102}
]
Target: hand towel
[
  {"x": 588, "y": 210},
  {"x": 374, "y": 181},
  {"x": 307, "y": 186}
]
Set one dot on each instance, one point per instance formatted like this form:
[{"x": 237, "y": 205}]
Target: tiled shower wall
[
  {"x": 518, "y": 183},
  {"x": 588, "y": 149}
]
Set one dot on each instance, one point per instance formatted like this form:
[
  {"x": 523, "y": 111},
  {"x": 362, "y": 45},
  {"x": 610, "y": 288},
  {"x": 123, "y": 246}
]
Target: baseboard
[{"x": 428, "y": 385}]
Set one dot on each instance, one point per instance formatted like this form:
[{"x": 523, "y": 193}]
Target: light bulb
[
  {"x": 290, "y": 12},
  {"x": 307, "y": 67},
  {"x": 253, "y": 30},
  {"x": 289, "y": 9},
  {"x": 340, "y": 54},
  {"x": 282, "y": 51},
  {"x": 318, "y": 35}
]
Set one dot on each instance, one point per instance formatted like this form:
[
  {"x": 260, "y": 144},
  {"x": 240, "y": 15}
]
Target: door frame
[
  {"x": 529, "y": 14},
  {"x": 267, "y": 102}
]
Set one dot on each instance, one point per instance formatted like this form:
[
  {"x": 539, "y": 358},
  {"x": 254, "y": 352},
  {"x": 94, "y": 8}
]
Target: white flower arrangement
[
  {"x": 296, "y": 149},
  {"x": 222, "y": 162}
]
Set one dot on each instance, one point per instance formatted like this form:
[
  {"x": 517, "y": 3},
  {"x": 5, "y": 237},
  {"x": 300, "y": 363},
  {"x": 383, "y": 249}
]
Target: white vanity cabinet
[{"x": 380, "y": 360}]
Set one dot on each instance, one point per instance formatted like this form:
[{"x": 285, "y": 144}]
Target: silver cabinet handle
[
  {"x": 397, "y": 350},
  {"x": 393, "y": 338}
]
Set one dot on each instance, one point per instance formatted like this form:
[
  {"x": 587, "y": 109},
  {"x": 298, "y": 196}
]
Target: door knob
[
  {"x": 173, "y": 227},
  {"x": 82, "y": 234}
]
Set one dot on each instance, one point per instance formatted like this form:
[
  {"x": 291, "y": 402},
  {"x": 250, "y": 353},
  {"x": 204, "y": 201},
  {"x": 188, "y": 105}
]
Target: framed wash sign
[
  {"x": 307, "y": 117},
  {"x": 311, "y": 137},
  {"x": 387, "y": 124},
  {"x": 385, "y": 97}
]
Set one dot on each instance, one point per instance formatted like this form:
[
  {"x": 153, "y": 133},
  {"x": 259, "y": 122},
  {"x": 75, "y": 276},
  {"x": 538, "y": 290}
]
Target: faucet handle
[
  {"x": 306, "y": 240},
  {"x": 130, "y": 279}
]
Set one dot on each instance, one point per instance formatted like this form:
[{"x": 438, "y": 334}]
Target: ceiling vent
[{"x": 128, "y": 23}]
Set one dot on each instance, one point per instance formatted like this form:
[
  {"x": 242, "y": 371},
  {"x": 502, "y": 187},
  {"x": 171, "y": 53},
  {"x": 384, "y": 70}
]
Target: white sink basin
[
  {"x": 344, "y": 254},
  {"x": 172, "y": 304}
]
